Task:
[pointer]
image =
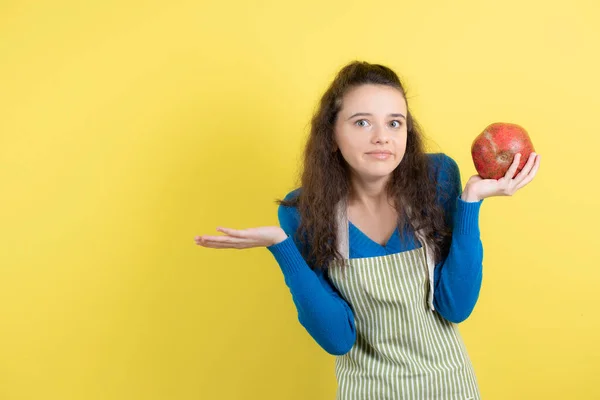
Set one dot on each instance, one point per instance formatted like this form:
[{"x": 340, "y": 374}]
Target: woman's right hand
[{"x": 263, "y": 236}]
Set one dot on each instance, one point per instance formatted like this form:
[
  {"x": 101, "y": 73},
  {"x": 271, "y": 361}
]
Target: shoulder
[
  {"x": 293, "y": 194},
  {"x": 290, "y": 198},
  {"x": 442, "y": 164},
  {"x": 289, "y": 217},
  {"x": 445, "y": 172}
]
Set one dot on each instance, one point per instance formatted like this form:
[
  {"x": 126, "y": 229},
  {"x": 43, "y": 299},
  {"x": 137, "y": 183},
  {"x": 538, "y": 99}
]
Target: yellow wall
[{"x": 127, "y": 127}]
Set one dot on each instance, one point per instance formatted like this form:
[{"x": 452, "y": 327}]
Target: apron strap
[{"x": 343, "y": 244}]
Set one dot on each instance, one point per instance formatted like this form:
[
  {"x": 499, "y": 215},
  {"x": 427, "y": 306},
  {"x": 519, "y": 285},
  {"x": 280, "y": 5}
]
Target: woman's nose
[{"x": 380, "y": 134}]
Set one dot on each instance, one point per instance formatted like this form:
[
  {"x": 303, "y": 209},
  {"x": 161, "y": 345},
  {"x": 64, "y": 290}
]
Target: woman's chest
[{"x": 379, "y": 226}]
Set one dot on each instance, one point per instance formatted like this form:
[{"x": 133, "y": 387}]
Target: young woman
[{"x": 380, "y": 247}]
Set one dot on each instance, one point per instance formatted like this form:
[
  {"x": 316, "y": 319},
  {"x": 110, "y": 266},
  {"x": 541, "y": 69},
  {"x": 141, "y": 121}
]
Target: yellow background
[{"x": 127, "y": 127}]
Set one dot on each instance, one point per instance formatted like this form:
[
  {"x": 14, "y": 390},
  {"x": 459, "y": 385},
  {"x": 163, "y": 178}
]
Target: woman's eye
[
  {"x": 398, "y": 124},
  {"x": 359, "y": 122}
]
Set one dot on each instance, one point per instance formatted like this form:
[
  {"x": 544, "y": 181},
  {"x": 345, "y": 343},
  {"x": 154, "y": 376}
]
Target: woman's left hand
[{"x": 478, "y": 188}]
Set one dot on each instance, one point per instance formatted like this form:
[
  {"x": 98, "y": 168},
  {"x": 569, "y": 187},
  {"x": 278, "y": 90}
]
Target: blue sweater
[{"x": 327, "y": 316}]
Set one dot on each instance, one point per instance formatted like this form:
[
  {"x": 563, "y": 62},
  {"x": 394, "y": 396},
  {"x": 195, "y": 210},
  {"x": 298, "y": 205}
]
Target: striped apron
[{"x": 404, "y": 349}]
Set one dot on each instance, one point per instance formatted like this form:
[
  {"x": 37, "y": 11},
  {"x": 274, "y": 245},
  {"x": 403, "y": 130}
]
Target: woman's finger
[
  {"x": 531, "y": 174},
  {"x": 526, "y": 169},
  {"x": 215, "y": 245},
  {"x": 231, "y": 236},
  {"x": 233, "y": 244},
  {"x": 220, "y": 245},
  {"x": 226, "y": 239},
  {"x": 513, "y": 167},
  {"x": 233, "y": 232}
]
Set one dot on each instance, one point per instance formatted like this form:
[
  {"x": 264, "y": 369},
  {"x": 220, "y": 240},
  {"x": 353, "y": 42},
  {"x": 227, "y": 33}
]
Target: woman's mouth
[{"x": 380, "y": 155}]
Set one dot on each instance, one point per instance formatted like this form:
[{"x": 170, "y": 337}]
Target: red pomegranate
[{"x": 494, "y": 149}]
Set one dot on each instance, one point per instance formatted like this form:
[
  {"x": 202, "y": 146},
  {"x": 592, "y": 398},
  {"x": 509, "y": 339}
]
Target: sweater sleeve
[
  {"x": 325, "y": 315},
  {"x": 457, "y": 279}
]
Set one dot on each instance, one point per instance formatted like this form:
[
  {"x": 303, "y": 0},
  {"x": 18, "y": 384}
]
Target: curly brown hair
[{"x": 325, "y": 178}]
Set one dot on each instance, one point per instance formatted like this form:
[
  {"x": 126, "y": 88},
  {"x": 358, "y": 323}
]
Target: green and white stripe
[{"x": 404, "y": 350}]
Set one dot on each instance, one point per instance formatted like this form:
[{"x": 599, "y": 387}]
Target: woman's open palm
[{"x": 263, "y": 236}]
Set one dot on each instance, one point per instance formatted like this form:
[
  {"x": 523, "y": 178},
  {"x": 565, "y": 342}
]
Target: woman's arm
[
  {"x": 457, "y": 279},
  {"x": 324, "y": 314}
]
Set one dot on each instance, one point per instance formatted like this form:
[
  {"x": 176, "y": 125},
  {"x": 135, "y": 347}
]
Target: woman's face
[{"x": 371, "y": 130}]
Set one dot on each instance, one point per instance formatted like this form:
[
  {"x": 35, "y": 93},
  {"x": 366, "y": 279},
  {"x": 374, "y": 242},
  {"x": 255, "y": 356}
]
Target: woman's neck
[{"x": 370, "y": 195}]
